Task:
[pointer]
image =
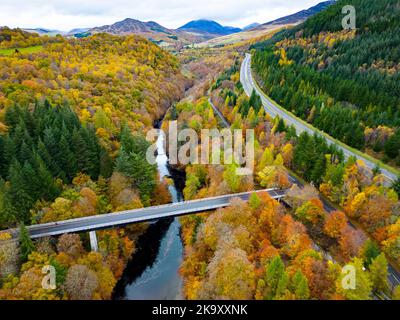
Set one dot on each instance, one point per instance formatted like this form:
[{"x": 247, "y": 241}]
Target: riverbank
[{"x": 153, "y": 270}]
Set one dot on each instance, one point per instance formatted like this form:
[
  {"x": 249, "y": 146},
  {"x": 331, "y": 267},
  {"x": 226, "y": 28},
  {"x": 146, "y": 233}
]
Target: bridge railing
[{"x": 138, "y": 215}]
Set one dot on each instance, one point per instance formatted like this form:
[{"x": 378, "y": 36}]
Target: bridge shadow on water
[
  {"x": 147, "y": 250},
  {"x": 152, "y": 272}
]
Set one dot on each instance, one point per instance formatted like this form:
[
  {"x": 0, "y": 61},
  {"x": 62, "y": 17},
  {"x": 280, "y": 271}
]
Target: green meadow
[{"x": 8, "y": 52}]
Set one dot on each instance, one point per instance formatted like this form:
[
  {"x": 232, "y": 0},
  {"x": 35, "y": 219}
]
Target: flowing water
[{"x": 153, "y": 271}]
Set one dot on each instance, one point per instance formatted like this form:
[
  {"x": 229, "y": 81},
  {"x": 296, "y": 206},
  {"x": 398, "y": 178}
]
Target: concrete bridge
[{"x": 118, "y": 219}]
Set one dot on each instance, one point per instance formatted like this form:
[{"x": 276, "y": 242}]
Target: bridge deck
[{"x": 105, "y": 221}]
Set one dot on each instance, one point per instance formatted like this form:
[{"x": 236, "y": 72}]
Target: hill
[
  {"x": 129, "y": 26},
  {"x": 72, "y": 119},
  {"x": 42, "y": 31},
  {"x": 77, "y": 31},
  {"x": 87, "y": 74},
  {"x": 345, "y": 82},
  {"x": 208, "y": 28},
  {"x": 257, "y": 31},
  {"x": 301, "y": 15},
  {"x": 150, "y": 30},
  {"x": 19, "y": 38},
  {"x": 251, "y": 26}
]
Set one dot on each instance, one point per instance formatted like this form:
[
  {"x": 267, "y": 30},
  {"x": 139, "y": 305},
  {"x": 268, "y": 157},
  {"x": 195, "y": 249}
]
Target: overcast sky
[{"x": 67, "y": 14}]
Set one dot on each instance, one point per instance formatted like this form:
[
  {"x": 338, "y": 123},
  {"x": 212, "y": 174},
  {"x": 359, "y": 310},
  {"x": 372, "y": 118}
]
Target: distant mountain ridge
[
  {"x": 128, "y": 26},
  {"x": 78, "y": 30},
  {"x": 301, "y": 15},
  {"x": 192, "y": 32},
  {"x": 204, "y": 26},
  {"x": 150, "y": 30},
  {"x": 251, "y": 26},
  {"x": 256, "y": 30},
  {"x": 48, "y": 32},
  {"x": 195, "y": 31},
  {"x": 43, "y": 31}
]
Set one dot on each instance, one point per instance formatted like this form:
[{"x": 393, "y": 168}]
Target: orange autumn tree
[
  {"x": 334, "y": 224},
  {"x": 292, "y": 236}
]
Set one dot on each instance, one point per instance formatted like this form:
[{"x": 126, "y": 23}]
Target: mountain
[
  {"x": 195, "y": 31},
  {"x": 344, "y": 82},
  {"x": 192, "y": 32},
  {"x": 43, "y": 31},
  {"x": 208, "y": 27},
  {"x": 257, "y": 31},
  {"x": 150, "y": 30},
  {"x": 251, "y": 26},
  {"x": 130, "y": 26},
  {"x": 77, "y": 31},
  {"x": 301, "y": 15}
]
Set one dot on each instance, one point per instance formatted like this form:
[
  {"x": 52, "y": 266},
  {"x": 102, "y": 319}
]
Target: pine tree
[
  {"x": 31, "y": 180},
  {"x": 106, "y": 164},
  {"x": 79, "y": 149},
  {"x": 318, "y": 171},
  {"x": 392, "y": 146},
  {"x": 25, "y": 153},
  {"x": 25, "y": 242},
  {"x": 68, "y": 161},
  {"x": 379, "y": 273},
  {"x": 50, "y": 141},
  {"x": 291, "y": 133},
  {"x": 9, "y": 154},
  {"x": 275, "y": 271},
  {"x": 281, "y": 127},
  {"x": 46, "y": 184},
  {"x": 19, "y": 196},
  {"x": 139, "y": 170},
  {"x": 300, "y": 286},
  {"x": 370, "y": 252},
  {"x": 93, "y": 155},
  {"x": 48, "y": 159}
]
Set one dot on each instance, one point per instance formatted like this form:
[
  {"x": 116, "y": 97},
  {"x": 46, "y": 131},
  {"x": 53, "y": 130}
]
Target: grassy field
[{"x": 8, "y": 52}]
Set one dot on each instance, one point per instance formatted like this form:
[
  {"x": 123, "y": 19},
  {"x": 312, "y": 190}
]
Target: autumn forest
[{"x": 74, "y": 116}]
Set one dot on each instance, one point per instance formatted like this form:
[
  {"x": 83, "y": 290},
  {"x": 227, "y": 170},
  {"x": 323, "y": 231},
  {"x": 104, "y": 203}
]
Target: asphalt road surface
[
  {"x": 248, "y": 83},
  {"x": 105, "y": 221}
]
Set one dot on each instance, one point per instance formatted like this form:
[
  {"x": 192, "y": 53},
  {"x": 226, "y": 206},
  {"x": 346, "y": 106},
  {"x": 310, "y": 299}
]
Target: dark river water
[{"x": 153, "y": 272}]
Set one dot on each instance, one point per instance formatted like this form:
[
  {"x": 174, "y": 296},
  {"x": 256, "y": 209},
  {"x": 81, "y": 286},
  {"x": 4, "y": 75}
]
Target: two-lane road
[
  {"x": 110, "y": 220},
  {"x": 249, "y": 84}
]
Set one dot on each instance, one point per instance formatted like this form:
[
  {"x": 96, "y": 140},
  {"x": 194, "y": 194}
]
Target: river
[{"x": 153, "y": 272}]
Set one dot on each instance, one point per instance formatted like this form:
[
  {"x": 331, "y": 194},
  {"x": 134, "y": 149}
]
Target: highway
[
  {"x": 122, "y": 218},
  {"x": 216, "y": 110},
  {"x": 248, "y": 83},
  {"x": 393, "y": 274}
]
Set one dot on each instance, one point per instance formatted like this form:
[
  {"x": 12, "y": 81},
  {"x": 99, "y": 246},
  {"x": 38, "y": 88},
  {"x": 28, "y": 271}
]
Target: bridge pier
[
  {"x": 111, "y": 220},
  {"x": 93, "y": 241}
]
